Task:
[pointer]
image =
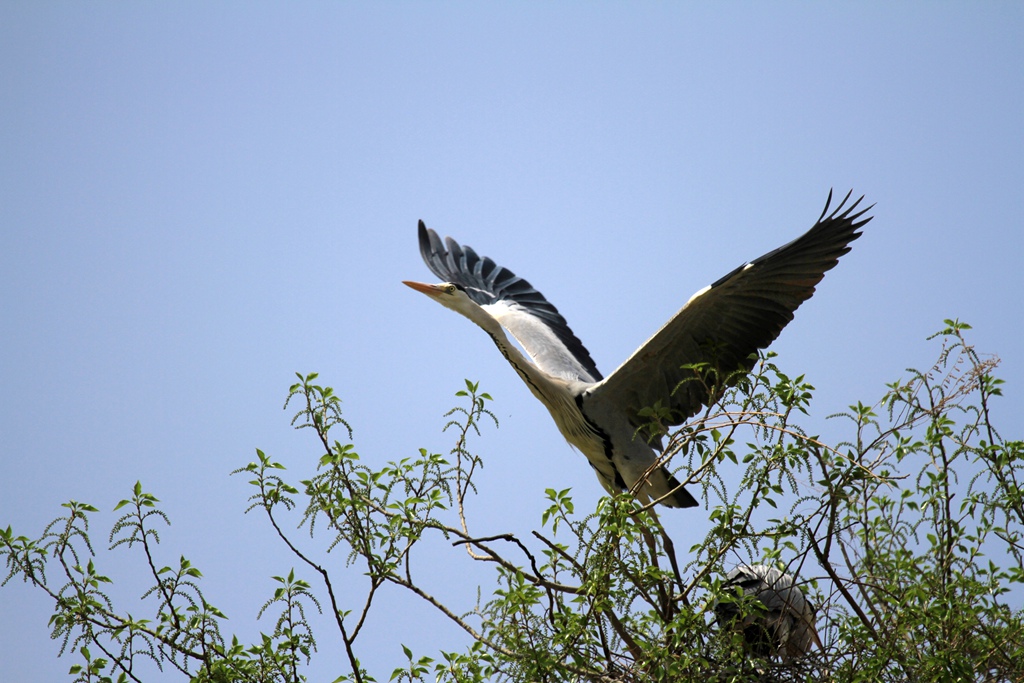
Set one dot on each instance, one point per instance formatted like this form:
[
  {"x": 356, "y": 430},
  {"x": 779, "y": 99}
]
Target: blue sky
[{"x": 197, "y": 201}]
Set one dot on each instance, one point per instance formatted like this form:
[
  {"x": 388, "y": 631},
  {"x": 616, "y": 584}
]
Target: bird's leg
[
  {"x": 670, "y": 552},
  {"x": 666, "y": 598}
]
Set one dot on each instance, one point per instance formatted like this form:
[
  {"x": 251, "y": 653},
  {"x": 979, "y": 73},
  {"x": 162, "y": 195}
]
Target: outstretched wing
[
  {"x": 522, "y": 310},
  {"x": 725, "y": 323}
]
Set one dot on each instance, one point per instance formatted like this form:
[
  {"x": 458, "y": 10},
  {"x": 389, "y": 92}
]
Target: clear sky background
[{"x": 198, "y": 200}]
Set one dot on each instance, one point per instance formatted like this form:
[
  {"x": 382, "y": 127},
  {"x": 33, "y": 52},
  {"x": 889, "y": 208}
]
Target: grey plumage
[
  {"x": 722, "y": 325},
  {"x": 785, "y": 627}
]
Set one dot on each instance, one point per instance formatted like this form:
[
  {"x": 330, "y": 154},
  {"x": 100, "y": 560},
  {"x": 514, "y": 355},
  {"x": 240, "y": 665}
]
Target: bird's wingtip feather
[{"x": 828, "y": 203}]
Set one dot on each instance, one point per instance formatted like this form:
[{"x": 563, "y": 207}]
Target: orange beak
[{"x": 430, "y": 290}]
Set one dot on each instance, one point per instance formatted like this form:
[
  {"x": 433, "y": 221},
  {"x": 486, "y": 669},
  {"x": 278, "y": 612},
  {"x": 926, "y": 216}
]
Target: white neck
[{"x": 540, "y": 383}]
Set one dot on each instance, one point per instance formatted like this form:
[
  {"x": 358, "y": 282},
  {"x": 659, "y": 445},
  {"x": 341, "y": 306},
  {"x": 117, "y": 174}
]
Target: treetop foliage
[{"x": 905, "y": 535}]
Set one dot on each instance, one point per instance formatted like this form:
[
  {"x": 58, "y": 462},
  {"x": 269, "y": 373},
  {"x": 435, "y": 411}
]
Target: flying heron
[
  {"x": 722, "y": 326},
  {"x": 785, "y": 627}
]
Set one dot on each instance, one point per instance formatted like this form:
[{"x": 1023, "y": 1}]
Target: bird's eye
[{"x": 450, "y": 289}]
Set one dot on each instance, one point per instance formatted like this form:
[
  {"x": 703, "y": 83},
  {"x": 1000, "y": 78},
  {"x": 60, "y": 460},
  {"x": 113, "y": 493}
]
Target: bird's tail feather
[
  {"x": 667, "y": 490},
  {"x": 680, "y": 497}
]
